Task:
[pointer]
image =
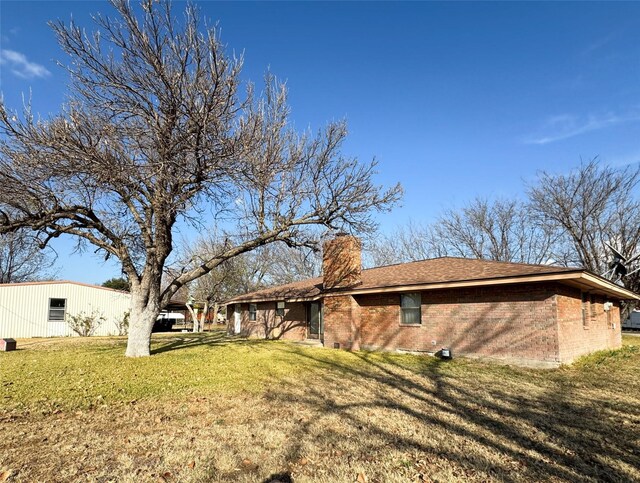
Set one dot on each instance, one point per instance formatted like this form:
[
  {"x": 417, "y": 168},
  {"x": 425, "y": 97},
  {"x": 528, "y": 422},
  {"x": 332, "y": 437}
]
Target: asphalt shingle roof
[{"x": 435, "y": 270}]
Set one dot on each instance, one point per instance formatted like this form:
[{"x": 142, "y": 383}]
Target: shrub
[
  {"x": 123, "y": 324},
  {"x": 85, "y": 325}
]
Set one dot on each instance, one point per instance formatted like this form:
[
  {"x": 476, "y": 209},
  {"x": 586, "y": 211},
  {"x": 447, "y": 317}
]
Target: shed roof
[
  {"x": 444, "y": 272},
  {"x": 58, "y": 282}
]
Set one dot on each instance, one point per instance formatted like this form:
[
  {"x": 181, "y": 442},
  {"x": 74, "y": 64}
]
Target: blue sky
[{"x": 455, "y": 100}]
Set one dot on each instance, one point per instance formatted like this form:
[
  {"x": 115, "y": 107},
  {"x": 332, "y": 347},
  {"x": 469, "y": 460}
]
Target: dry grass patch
[{"x": 209, "y": 408}]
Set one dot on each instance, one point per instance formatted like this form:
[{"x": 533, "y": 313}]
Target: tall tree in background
[
  {"x": 287, "y": 264},
  {"x": 405, "y": 244},
  {"x": 568, "y": 219},
  {"x": 594, "y": 205},
  {"x": 155, "y": 132},
  {"x": 219, "y": 284},
  {"x": 273, "y": 264},
  {"x": 499, "y": 230},
  {"x": 22, "y": 259}
]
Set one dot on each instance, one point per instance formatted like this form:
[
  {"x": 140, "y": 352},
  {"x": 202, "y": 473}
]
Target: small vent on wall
[{"x": 336, "y": 345}]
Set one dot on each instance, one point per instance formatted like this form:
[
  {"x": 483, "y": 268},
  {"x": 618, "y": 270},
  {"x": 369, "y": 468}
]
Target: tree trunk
[
  {"x": 203, "y": 316},
  {"x": 144, "y": 312},
  {"x": 196, "y": 321},
  {"x": 216, "y": 309},
  {"x": 194, "y": 318}
]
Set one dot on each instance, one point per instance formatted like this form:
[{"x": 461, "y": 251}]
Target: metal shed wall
[{"x": 24, "y": 308}]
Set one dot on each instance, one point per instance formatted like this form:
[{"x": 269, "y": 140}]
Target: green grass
[
  {"x": 76, "y": 375},
  {"x": 212, "y": 408},
  {"x": 80, "y": 373},
  {"x": 606, "y": 358}
]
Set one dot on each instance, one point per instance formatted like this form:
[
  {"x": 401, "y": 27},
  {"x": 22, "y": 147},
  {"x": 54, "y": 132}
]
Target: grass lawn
[{"x": 213, "y": 408}]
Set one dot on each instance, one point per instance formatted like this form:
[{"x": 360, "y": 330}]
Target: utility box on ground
[{"x": 7, "y": 345}]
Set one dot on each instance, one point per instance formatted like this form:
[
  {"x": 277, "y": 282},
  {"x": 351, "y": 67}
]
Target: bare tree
[
  {"x": 407, "y": 243},
  {"x": 285, "y": 264},
  {"x": 220, "y": 283},
  {"x": 594, "y": 205},
  {"x": 22, "y": 259},
  {"x": 154, "y": 133},
  {"x": 273, "y": 264},
  {"x": 499, "y": 230},
  {"x": 492, "y": 230}
]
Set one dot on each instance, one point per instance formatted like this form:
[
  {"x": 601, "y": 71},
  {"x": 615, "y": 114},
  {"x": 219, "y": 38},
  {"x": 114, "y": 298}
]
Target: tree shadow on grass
[
  {"x": 185, "y": 340},
  {"x": 481, "y": 421},
  {"x": 279, "y": 478},
  {"x": 487, "y": 421},
  {"x": 505, "y": 427}
]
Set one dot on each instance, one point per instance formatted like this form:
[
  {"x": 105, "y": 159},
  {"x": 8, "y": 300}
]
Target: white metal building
[{"x": 40, "y": 309}]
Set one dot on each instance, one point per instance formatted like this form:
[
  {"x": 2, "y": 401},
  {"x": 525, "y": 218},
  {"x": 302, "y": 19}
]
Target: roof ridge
[{"x": 474, "y": 260}]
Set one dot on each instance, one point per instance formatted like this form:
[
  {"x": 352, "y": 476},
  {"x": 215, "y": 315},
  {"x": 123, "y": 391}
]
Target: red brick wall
[
  {"x": 511, "y": 322},
  {"x": 342, "y": 262},
  {"x": 601, "y": 330},
  {"x": 292, "y": 326},
  {"x": 520, "y": 323},
  {"x": 342, "y": 322}
]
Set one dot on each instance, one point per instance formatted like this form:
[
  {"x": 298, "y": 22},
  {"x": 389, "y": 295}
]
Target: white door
[{"x": 237, "y": 324}]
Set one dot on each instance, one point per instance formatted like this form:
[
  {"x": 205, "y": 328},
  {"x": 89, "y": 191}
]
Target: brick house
[{"x": 525, "y": 314}]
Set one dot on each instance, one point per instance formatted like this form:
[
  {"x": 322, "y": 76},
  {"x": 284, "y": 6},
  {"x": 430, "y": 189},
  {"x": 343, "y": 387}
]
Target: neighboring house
[
  {"x": 40, "y": 309},
  {"x": 527, "y": 314}
]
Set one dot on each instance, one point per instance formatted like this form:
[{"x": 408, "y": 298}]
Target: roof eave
[
  {"x": 605, "y": 285},
  {"x": 579, "y": 278},
  {"x": 254, "y": 300},
  {"x": 557, "y": 276}
]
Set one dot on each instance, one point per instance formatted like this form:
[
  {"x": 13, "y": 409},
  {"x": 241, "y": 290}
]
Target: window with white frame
[
  {"x": 253, "y": 309},
  {"x": 410, "y": 309},
  {"x": 280, "y": 309},
  {"x": 57, "y": 309}
]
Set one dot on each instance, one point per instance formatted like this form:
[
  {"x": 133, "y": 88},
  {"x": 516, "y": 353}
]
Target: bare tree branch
[{"x": 155, "y": 130}]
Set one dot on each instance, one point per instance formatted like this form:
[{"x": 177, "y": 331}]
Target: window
[
  {"x": 585, "y": 303},
  {"x": 57, "y": 309},
  {"x": 280, "y": 309},
  {"x": 410, "y": 309},
  {"x": 253, "y": 309}
]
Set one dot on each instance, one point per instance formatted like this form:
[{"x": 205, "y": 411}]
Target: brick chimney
[{"x": 342, "y": 262}]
